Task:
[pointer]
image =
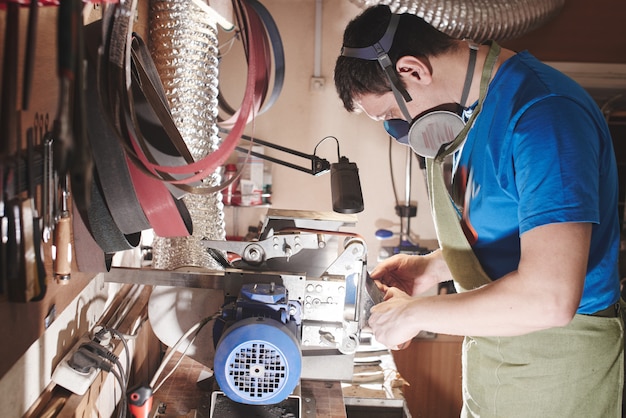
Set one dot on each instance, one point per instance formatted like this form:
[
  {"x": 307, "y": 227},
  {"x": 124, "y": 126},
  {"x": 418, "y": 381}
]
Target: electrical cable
[
  {"x": 94, "y": 355},
  {"x": 324, "y": 139},
  {"x": 227, "y": 44},
  {"x": 123, "y": 406},
  {"x": 96, "y": 347},
  {"x": 195, "y": 328},
  {"x": 422, "y": 164},
  {"x": 118, "y": 364},
  {"x": 126, "y": 349},
  {"x": 393, "y": 179}
]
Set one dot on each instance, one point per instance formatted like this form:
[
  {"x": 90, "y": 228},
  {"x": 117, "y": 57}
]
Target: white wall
[
  {"x": 301, "y": 118},
  {"x": 23, "y": 384}
]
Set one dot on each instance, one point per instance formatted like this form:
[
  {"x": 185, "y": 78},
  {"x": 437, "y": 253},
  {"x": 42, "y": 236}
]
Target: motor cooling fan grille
[
  {"x": 257, "y": 361},
  {"x": 257, "y": 370}
]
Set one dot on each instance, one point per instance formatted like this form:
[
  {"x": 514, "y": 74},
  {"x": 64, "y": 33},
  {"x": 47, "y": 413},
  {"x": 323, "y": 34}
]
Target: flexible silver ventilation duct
[
  {"x": 184, "y": 47},
  {"x": 479, "y": 20}
]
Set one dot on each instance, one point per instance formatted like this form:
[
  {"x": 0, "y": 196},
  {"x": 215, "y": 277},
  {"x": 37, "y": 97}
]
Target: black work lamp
[{"x": 345, "y": 186}]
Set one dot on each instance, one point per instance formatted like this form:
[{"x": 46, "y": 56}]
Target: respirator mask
[{"x": 433, "y": 129}]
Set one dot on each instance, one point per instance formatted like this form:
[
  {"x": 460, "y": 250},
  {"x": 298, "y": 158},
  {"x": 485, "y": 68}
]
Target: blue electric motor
[{"x": 257, "y": 355}]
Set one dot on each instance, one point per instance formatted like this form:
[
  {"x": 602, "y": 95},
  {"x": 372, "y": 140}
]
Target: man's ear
[{"x": 414, "y": 69}]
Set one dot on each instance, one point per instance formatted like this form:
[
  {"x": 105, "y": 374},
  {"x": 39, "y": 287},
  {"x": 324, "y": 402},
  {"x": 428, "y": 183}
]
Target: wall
[
  {"x": 301, "y": 118},
  {"x": 583, "y": 31}
]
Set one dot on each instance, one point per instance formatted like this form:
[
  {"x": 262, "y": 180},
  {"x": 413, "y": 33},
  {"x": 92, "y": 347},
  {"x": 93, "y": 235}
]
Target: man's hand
[
  {"x": 413, "y": 274},
  {"x": 390, "y": 320}
]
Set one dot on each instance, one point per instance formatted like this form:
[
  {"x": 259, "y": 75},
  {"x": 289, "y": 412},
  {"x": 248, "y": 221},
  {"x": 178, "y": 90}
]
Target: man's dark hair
[{"x": 355, "y": 76}]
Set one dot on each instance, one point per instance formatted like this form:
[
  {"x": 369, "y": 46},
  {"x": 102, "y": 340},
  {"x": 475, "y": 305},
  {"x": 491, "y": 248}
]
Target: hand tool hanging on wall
[
  {"x": 29, "y": 272},
  {"x": 63, "y": 132},
  {"x": 29, "y": 58},
  {"x": 7, "y": 136},
  {"x": 63, "y": 145},
  {"x": 7, "y": 122},
  {"x": 21, "y": 279},
  {"x": 39, "y": 268},
  {"x": 9, "y": 129},
  {"x": 81, "y": 166},
  {"x": 71, "y": 153},
  {"x": 9, "y": 81},
  {"x": 49, "y": 183},
  {"x": 3, "y": 234},
  {"x": 13, "y": 270},
  {"x": 62, "y": 248}
]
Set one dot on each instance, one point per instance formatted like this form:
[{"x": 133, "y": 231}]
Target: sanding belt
[
  {"x": 258, "y": 27},
  {"x": 138, "y": 197},
  {"x": 104, "y": 229},
  {"x": 259, "y": 60},
  {"x": 279, "y": 62},
  {"x": 108, "y": 227},
  {"x": 459, "y": 256},
  {"x": 256, "y": 89}
]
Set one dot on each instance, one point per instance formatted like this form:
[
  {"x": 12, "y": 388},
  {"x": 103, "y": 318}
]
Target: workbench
[{"x": 376, "y": 391}]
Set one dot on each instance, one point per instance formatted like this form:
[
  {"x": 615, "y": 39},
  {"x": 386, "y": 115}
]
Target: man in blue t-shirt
[{"x": 535, "y": 189}]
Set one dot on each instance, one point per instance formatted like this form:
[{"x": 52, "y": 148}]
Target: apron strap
[{"x": 465, "y": 268}]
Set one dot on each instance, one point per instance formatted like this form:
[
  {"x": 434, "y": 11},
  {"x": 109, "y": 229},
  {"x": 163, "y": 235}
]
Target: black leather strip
[
  {"x": 88, "y": 255},
  {"x": 256, "y": 88},
  {"x": 117, "y": 186},
  {"x": 103, "y": 228},
  {"x": 164, "y": 214}
]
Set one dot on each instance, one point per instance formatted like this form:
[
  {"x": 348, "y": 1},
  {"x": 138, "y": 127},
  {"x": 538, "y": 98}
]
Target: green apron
[{"x": 571, "y": 371}]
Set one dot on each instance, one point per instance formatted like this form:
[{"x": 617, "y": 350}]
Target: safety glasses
[{"x": 398, "y": 129}]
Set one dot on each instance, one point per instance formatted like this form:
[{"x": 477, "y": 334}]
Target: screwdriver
[
  {"x": 62, "y": 248},
  {"x": 140, "y": 402}
]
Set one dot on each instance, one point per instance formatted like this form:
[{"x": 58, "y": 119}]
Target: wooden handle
[{"x": 63, "y": 258}]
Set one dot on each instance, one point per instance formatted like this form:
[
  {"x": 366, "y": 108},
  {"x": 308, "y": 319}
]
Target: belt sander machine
[{"x": 290, "y": 307}]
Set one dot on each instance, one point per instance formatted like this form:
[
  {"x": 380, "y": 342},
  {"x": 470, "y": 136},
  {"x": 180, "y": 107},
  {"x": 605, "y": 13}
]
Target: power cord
[
  {"x": 194, "y": 329},
  {"x": 122, "y": 338},
  {"x": 94, "y": 354},
  {"x": 324, "y": 139}
]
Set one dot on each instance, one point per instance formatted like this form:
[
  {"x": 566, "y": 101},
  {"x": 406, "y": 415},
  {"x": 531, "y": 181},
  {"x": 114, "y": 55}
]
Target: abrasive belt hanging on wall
[
  {"x": 177, "y": 73},
  {"x": 136, "y": 123},
  {"x": 113, "y": 221},
  {"x": 259, "y": 64},
  {"x": 117, "y": 214},
  {"x": 264, "y": 54},
  {"x": 275, "y": 41},
  {"x": 166, "y": 216}
]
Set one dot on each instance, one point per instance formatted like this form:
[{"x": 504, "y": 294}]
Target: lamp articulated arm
[
  {"x": 345, "y": 184},
  {"x": 318, "y": 165}
]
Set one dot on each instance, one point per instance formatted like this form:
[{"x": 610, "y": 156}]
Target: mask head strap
[
  {"x": 469, "y": 74},
  {"x": 379, "y": 52}
]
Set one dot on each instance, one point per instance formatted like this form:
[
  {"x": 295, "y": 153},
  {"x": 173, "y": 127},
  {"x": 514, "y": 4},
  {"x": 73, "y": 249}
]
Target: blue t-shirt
[{"x": 539, "y": 152}]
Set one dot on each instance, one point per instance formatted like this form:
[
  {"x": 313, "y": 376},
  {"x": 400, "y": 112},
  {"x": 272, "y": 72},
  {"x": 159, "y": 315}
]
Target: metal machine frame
[{"x": 334, "y": 296}]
